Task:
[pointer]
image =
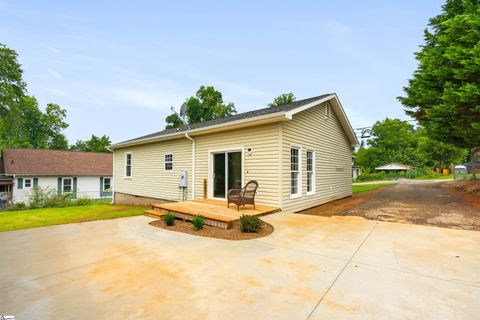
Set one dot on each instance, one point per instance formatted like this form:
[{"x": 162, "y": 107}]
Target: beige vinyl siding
[
  {"x": 149, "y": 179},
  {"x": 311, "y": 130},
  {"x": 262, "y": 165}
]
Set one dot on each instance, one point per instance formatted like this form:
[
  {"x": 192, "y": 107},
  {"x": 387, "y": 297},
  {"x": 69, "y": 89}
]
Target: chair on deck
[{"x": 243, "y": 196}]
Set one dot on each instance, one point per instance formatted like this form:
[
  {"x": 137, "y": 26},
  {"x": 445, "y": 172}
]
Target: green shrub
[
  {"x": 40, "y": 197},
  {"x": 60, "y": 200},
  {"x": 16, "y": 206},
  {"x": 169, "y": 219},
  {"x": 83, "y": 202},
  {"x": 250, "y": 223},
  {"x": 198, "y": 222}
]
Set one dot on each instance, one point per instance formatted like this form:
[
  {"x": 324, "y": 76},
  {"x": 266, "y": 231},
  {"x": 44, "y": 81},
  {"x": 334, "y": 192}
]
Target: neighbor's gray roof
[{"x": 239, "y": 116}]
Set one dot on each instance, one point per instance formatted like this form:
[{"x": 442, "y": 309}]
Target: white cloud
[
  {"x": 94, "y": 98},
  {"x": 53, "y": 49},
  {"x": 144, "y": 97},
  {"x": 54, "y": 73}
]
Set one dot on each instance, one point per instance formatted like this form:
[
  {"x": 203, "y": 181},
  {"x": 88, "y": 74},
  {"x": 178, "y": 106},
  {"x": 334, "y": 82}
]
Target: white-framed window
[
  {"x": 27, "y": 182},
  {"x": 67, "y": 185},
  {"x": 327, "y": 110},
  {"x": 107, "y": 184},
  {"x": 168, "y": 161},
  {"x": 128, "y": 164},
  {"x": 295, "y": 172},
  {"x": 310, "y": 172}
]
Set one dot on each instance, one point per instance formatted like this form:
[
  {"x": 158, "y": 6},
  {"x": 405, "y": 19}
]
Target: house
[
  {"x": 356, "y": 170},
  {"x": 81, "y": 174},
  {"x": 300, "y": 154}
]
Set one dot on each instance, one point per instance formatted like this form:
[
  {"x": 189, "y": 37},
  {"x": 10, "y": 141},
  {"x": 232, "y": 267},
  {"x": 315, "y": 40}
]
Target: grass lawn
[
  {"x": 368, "y": 187},
  {"x": 23, "y": 219},
  {"x": 439, "y": 177}
]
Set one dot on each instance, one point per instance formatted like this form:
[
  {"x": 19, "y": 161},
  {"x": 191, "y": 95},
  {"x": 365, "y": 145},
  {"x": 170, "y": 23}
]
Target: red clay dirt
[{"x": 435, "y": 204}]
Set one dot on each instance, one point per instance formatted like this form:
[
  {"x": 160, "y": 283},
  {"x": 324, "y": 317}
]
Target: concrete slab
[
  {"x": 442, "y": 253},
  {"x": 335, "y": 237},
  {"x": 343, "y": 267},
  {"x": 367, "y": 292}
]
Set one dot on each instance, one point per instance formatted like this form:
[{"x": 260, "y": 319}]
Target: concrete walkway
[{"x": 309, "y": 268}]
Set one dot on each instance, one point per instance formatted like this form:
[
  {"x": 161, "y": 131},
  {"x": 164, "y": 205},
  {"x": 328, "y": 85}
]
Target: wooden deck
[{"x": 214, "y": 212}]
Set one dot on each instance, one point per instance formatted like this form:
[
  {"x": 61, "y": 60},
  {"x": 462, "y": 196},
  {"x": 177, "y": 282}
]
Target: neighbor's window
[
  {"x": 128, "y": 164},
  {"x": 168, "y": 161},
  {"x": 67, "y": 185},
  {"x": 327, "y": 110},
  {"x": 310, "y": 172},
  {"x": 294, "y": 171},
  {"x": 28, "y": 183},
  {"x": 107, "y": 184}
]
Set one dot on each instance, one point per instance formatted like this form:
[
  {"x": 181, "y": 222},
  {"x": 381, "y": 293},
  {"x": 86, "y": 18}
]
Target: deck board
[{"x": 216, "y": 210}]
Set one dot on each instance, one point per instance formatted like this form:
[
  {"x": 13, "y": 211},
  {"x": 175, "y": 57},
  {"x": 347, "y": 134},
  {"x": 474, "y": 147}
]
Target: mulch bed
[{"x": 214, "y": 232}]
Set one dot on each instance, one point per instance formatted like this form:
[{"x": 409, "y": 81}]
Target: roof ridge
[
  {"x": 206, "y": 124},
  {"x": 52, "y": 150}
]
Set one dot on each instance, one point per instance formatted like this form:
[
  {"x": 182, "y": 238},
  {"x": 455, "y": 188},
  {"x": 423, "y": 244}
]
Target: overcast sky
[{"x": 118, "y": 66}]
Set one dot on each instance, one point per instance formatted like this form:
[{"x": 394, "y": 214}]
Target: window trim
[
  {"x": 103, "y": 185},
  {"x": 165, "y": 161},
  {"x": 313, "y": 172},
  {"x": 25, "y": 183},
  {"x": 63, "y": 185},
  {"x": 299, "y": 180},
  {"x": 125, "y": 165}
]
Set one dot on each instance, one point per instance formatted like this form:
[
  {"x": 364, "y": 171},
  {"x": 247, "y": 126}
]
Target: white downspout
[{"x": 193, "y": 164}]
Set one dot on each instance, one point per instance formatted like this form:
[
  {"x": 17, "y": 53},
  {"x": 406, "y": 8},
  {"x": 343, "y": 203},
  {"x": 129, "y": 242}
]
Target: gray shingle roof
[{"x": 239, "y": 116}]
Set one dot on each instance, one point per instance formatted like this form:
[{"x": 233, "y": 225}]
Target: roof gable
[{"x": 56, "y": 162}]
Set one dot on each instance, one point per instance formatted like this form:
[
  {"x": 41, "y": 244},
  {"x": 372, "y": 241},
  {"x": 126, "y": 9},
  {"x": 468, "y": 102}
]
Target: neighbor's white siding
[
  {"x": 149, "y": 179},
  {"x": 311, "y": 130},
  {"x": 87, "y": 186},
  {"x": 261, "y": 165}
]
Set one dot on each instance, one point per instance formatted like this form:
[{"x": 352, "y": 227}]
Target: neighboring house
[
  {"x": 300, "y": 154},
  {"x": 394, "y": 167},
  {"x": 81, "y": 174},
  {"x": 356, "y": 170}
]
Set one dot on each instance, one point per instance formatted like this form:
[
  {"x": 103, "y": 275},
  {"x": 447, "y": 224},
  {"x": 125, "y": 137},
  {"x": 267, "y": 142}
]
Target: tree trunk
[{"x": 474, "y": 163}]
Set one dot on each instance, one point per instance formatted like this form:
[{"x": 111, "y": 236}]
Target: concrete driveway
[{"x": 309, "y": 268}]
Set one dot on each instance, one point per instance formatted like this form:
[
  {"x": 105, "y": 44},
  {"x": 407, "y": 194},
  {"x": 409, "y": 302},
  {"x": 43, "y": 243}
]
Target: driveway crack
[{"x": 341, "y": 271}]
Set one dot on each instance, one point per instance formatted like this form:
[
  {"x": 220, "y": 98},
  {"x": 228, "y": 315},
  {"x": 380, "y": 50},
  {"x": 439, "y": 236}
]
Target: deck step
[{"x": 154, "y": 213}]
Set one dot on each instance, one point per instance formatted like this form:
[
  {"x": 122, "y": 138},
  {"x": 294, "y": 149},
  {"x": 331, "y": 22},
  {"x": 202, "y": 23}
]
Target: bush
[
  {"x": 198, "y": 222},
  {"x": 84, "y": 202},
  {"x": 60, "y": 200},
  {"x": 169, "y": 219},
  {"x": 16, "y": 206},
  {"x": 40, "y": 197},
  {"x": 373, "y": 176},
  {"x": 250, "y": 223}
]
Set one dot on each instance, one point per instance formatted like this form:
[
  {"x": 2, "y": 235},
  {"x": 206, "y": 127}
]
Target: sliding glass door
[{"x": 227, "y": 172}]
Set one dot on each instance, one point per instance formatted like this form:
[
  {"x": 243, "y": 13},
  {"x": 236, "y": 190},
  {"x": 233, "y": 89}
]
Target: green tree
[
  {"x": 284, "y": 98},
  {"x": 437, "y": 154},
  {"x": 12, "y": 87},
  {"x": 173, "y": 121},
  {"x": 94, "y": 144},
  {"x": 12, "y": 91},
  {"x": 206, "y": 105},
  {"x": 444, "y": 93},
  {"x": 393, "y": 140},
  {"x": 22, "y": 123}
]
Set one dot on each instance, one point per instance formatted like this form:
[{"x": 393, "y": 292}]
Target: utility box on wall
[{"x": 183, "y": 179}]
